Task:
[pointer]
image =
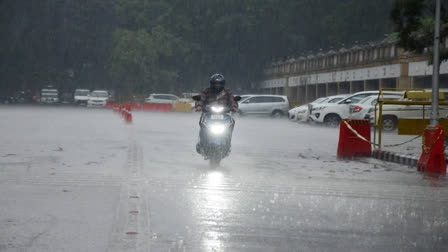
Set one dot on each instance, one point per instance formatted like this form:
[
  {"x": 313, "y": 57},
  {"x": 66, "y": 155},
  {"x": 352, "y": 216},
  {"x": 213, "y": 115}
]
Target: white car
[
  {"x": 275, "y": 105},
  {"x": 331, "y": 114},
  {"x": 98, "y": 98},
  {"x": 364, "y": 108},
  {"x": 49, "y": 96},
  {"x": 391, "y": 113},
  {"x": 81, "y": 96},
  {"x": 162, "y": 98},
  {"x": 301, "y": 113}
]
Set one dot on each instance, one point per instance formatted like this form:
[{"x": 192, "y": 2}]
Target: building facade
[{"x": 368, "y": 67}]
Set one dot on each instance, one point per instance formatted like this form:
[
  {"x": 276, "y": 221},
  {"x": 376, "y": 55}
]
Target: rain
[{"x": 102, "y": 102}]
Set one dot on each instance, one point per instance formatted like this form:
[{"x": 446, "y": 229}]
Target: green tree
[
  {"x": 414, "y": 26},
  {"x": 170, "y": 45}
]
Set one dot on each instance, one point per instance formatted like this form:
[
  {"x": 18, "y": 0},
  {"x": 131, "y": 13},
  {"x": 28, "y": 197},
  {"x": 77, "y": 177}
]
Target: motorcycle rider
[{"x": 216, "y": 93}]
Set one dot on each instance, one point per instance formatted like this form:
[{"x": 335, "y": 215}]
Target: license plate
[{"x": 217, "y": 117}]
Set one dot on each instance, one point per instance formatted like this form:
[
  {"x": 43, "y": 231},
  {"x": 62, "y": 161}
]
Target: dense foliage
[
  {"x": 170, "y": 45},
  {"x": 414, "y": 25}
]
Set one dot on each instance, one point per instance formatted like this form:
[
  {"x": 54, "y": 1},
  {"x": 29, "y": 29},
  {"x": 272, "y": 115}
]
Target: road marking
[{"x": 131, "y": 230}]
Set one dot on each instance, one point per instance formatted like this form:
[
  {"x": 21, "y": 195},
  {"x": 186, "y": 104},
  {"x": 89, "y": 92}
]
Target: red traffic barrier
[
  {"x": 432, "y": 159},
  {"x": 136, "y": 105},
  {"x": 354, "y": 139},
  {"x": 109, "y": 104},
  {"x": 159, "y": 107},
  {"x": 128, "y": 117},
  {"x": 126, "y": 113},
  {"x": 123, "y": 111}
]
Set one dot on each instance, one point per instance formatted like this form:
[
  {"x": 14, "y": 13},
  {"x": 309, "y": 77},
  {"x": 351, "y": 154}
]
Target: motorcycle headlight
[
  {"x": 217, "y": 109},
  {"x": 217, "y": 129}
]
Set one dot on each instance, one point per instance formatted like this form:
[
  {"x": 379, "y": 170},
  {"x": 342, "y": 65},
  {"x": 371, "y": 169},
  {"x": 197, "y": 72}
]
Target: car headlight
[{"x": 217, "y": 129}]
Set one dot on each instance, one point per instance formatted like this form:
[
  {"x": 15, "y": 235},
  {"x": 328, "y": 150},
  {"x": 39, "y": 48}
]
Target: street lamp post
[
  {"x": 435, "y": 74},
  {"x": 432, "y": 159}
]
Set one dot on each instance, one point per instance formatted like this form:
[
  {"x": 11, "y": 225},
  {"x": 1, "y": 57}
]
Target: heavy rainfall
[{"x": 168, "y": 125}]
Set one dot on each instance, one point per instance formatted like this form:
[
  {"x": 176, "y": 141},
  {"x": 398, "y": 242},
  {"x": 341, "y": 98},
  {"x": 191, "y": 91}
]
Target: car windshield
[
  {"x": 50, "y": 95},
  {"x": 320, "y": 100},
  {"x": 82, "y": 92},
  {"x": 49, "y": 92},
  {"x": 101, "y": 94}
]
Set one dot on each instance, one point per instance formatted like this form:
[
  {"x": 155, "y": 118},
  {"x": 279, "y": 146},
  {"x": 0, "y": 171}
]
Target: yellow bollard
[{"x": 183, "y": 107}]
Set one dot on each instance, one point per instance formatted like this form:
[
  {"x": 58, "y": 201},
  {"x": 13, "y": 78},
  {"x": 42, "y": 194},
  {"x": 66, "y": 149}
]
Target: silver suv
[{"x": 276, "y": 105}]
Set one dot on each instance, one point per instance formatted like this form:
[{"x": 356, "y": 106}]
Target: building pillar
[
  {"x": 380, "y": 83},
  {"x": 404, "y": 81},
  {"x": 350, "y": 87},
  {"x": 338, "y": 88},
  {"x": 286, "y": 91},
  {"x": 326, "y": 89},
  {"x": 306, "y": 93},
  {"x": 365, "y": 85},
  {"x": 317, "y": 91}
]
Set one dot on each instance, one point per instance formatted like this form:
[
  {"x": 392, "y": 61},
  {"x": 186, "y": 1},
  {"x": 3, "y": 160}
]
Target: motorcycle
[{"x": 216, "y": 132}]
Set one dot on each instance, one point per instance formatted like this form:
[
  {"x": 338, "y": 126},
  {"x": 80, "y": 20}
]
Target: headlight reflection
[{"x": 213, "y": 205}]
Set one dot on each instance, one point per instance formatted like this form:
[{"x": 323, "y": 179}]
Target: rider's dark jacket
[{"x": 224, "y": 97}]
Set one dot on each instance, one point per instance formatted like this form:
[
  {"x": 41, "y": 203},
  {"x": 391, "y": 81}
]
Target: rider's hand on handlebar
[{"x": 198, "y": 109}]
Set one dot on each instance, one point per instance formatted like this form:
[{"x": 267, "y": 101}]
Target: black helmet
[
  {"x": 217, "y": 78},
  {"x": 217, "y": 82}
]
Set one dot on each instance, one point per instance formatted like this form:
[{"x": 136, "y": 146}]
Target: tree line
[{"x": 141, "y": 46}]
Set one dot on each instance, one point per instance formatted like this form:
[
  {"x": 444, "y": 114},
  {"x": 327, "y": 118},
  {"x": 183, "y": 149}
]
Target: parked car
[
  {"x": 391, "y": 113},
  {"x": 363, "y": 108},
  {"x": 162, "y": 98},
  {"x": 98, "y": 98},
  {"x": 4, "y": 99},
  {"x": 301, "y": 113},
  {"x": 189, "y": 95},
  {"x": 81, "y": 96},
  {"x": 275, "y": 105},
  {"x": 331, "y": 114},
  {"x": 66, "y": 98},
  {"x": 49, "y": 95}
]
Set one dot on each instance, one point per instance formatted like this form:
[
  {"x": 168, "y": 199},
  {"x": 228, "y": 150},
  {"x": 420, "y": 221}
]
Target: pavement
[{"x": 77, "y": 179}]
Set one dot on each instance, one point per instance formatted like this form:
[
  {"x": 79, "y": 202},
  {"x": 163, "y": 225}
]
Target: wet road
[{"x": 83, "y": 180}]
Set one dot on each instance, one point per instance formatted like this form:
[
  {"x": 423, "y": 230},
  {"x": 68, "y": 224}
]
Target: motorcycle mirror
[
  {"x": 196, "y": 97},
  {"x": 237, "y": 98}
]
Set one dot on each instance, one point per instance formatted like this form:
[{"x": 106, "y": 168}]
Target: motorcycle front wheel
[{"x": 214, "y": 162}]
